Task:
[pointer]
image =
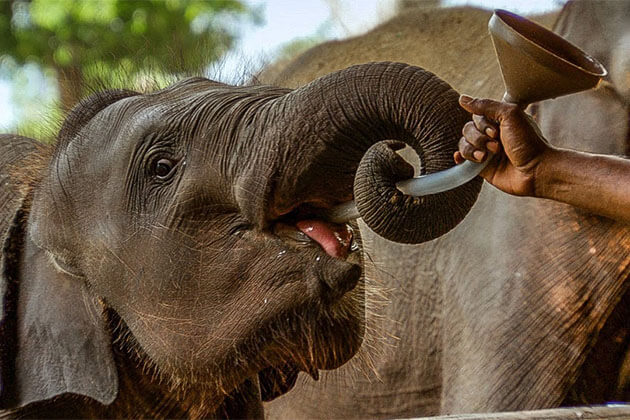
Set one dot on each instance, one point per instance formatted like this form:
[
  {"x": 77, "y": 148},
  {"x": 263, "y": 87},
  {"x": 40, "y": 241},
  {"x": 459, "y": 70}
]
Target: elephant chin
[
  {"x": 276, "y": 381},
  {"x": 322, "y": 334}
]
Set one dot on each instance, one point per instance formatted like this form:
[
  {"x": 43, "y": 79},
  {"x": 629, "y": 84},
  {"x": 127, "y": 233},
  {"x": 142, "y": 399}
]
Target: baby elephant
[{"x": 167, "y": 256}]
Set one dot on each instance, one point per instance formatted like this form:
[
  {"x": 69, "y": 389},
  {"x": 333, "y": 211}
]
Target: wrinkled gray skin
[
  {"x": 595, "y": 120},
  {"x": 525, "y": 304},
  {"x": 149, "y": 266}
]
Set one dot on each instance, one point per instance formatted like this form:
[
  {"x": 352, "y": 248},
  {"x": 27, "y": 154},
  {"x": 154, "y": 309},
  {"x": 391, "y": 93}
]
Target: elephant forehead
[
  {"x": 127, "y": 118},
  {"x": 190, "y": 93},
  {"x": 191, "y": 102},
  {"x": 123, "y": 125},
  {"x": 143, "y": 119}
]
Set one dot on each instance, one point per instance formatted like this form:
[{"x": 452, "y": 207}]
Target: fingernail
[
  {"x": 491, "y": 132},
  {"x": 479, "y": 155},
  {"x": 493, "y": 146},
  {"x": 465, "y": 99}
]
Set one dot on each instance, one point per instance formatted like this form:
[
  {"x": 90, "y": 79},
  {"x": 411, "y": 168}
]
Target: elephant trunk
[{"x": 325, "y": 128}]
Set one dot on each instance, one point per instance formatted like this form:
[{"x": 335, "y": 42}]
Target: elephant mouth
[
  {"x": 304, "y": 228},
  {"x": 336, "y": 240}
]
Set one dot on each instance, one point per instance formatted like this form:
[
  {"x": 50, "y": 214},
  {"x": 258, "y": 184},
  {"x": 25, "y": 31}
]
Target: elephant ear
[
  {"x": 13, "y": 149},
  {"x": 53, "y": 338},
  {"x": 595, "y": 120}
]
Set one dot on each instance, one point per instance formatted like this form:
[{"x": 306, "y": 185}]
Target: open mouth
[{"x": 336, "y": 240}]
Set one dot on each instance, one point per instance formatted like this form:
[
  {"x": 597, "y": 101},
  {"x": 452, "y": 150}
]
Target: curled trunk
[{"x": 328, "y": 126}]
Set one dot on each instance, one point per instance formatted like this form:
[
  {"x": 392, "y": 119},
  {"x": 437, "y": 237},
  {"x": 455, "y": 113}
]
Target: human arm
[{"x": 525, "y": 164}]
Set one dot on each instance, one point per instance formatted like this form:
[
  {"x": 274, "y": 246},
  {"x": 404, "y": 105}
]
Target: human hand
[{"x": 503, "y": 130}]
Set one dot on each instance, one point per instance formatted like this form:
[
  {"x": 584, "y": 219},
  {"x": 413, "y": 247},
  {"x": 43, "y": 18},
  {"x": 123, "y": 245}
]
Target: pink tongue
[{"x": 334, "y": 239}]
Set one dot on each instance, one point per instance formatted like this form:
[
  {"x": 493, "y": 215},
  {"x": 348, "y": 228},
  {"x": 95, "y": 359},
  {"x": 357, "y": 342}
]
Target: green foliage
[
  {"x": 174, "y": 34},
  {"x": 116, "y": 43}
]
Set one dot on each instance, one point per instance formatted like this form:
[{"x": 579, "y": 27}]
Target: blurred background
[{"x": 52, "y": 52}]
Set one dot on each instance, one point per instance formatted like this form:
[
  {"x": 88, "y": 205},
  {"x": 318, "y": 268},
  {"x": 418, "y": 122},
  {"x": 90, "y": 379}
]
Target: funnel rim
[{"x": 600, "y": 69}]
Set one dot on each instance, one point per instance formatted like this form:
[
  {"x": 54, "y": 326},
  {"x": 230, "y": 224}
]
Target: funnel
[{"x": 536, "y": 64}]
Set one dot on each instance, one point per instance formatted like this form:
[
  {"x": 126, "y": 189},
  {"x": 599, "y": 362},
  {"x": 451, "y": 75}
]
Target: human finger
[
  {"x": 475, "y": 137},
  {"x": 457, "y": 156},
  {"x": 486, "y": 126},
  {"x": 470, "y": 152}
]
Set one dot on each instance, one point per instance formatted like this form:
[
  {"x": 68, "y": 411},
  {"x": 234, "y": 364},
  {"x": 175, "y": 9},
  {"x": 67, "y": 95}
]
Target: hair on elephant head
[{"x": 166, "y": 257}]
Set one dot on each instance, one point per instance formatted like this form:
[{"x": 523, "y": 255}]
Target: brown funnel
[{"x": 537, "y": 64}]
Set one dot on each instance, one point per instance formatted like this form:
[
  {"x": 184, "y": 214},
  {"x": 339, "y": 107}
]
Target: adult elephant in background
[
  {"x": 595, "y": 120},
  {"x": 436, "y": 39},
  {"x": 166, "y": 258},
  {"x": 525, "y": 304}
]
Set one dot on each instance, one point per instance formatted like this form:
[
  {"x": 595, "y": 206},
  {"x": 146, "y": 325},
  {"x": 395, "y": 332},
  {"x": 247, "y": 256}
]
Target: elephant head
[{"x": 183, "y": 226}]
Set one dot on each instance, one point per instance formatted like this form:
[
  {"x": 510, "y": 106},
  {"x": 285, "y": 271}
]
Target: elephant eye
[{"x": 163, "y": 168}]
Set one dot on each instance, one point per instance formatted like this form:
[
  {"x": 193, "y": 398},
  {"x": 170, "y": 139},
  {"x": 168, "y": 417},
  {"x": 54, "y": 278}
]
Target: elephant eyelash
[
  {"x": 61, "y": 266},
  {"x": 160, "y": 148}
]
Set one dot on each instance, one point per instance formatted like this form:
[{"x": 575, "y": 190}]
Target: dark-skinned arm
[{"x": 526, "y": 164}]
